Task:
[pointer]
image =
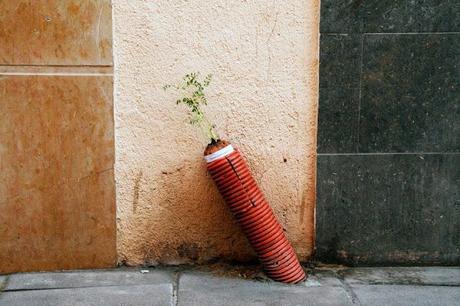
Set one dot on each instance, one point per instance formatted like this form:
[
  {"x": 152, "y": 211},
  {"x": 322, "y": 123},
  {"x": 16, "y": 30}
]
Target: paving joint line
[
  {"x": 73, "y": 287},
  {"x": 348, "y": 289},
  {"x": 175, "y": 289},
  {"x": 4, "y": 284},
  {"x": 407, "y": 284}
]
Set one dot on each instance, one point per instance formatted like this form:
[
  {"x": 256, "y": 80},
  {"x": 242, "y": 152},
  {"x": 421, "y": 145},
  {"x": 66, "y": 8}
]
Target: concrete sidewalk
[{"x": 225, "y": 285}]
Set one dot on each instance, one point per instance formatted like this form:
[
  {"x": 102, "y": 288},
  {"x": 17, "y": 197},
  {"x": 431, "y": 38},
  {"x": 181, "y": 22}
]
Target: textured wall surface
[
  {"x": 264, "y": 57},
  {"x": 388, "y": 132},
  {"x": 57, "y": 192}
]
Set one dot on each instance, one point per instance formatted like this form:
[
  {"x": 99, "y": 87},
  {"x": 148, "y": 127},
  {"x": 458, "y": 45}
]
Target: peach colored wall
[
  {"x": 264, "y": 57},
  {"x": 57, "y": 192}
]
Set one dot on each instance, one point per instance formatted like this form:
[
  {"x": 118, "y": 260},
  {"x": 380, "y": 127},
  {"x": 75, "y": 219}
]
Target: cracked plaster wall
[{"x": 263, "y": 98}]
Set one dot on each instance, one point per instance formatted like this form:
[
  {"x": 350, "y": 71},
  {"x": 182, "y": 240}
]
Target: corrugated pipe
[{"x": 255, "y": 216}]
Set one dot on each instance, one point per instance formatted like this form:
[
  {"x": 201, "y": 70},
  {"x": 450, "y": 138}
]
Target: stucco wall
[{"x": 264, "y": 58}]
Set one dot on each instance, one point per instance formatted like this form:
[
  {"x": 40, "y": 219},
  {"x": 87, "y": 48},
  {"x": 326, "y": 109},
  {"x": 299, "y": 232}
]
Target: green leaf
[{"x": 192, "y": 96}]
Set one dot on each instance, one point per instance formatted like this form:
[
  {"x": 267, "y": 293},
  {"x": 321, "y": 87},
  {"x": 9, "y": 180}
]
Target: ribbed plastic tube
[{"x": 255, "y": 216}]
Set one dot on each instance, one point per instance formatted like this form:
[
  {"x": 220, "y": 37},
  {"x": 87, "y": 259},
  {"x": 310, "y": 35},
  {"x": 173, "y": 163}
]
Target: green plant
[{"x": 192, "y": 96}]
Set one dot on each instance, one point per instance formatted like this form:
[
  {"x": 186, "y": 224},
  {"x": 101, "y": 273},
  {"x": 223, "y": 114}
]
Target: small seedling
[{"x": 192, "y": 94}]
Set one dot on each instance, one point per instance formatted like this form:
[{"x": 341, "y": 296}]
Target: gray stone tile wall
[{"x": 389, "y": 132}]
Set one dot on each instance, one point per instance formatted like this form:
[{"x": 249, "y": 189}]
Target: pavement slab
[
  {"x": 2, "y": 280},
  {"x": 203, "y": 289},
  {"x": 389, "y": 295},
  {"x": 160, "y": 294},
  {"x": 211, "y": 285},
  {"x": 445, "y": 276},
  {"x": 324, "y": 278},
  {"x": 94, "y": 278}
]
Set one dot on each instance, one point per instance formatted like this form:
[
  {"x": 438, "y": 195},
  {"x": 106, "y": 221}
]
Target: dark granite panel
[
  {"x": 389, "y": 209},
  {"x": 341, "y": 16},
  {"x": 340, "y": 62},
  {"x": 410, "y": 93},
  {"x": 411, "y": 16},
  {"x": 389, "y": 16},
  {"x": 338, "y": 120}
]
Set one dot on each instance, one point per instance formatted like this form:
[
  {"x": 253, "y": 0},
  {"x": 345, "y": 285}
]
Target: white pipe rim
[{"x": 219, "y": 154}]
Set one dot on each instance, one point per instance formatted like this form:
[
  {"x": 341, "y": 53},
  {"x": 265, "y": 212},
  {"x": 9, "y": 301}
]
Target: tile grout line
[
  {"x": 412, "y": 33},
  {"x": 54, "y": 74},
  {"x": 55, "y": 66},
  {"x": 390, "y": 33},
  {"x": 360, "y": 91},
  {"x": 388, "y": 153},
  {"x": 56, "y": 70}
]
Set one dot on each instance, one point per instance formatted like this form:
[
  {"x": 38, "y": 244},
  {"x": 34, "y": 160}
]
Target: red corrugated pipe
[
  {"x": 253, "y": 213},
  {"x": 236, "y": 184}
]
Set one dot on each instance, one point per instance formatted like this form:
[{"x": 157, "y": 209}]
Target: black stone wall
[{"x": 389, "y": 132}]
